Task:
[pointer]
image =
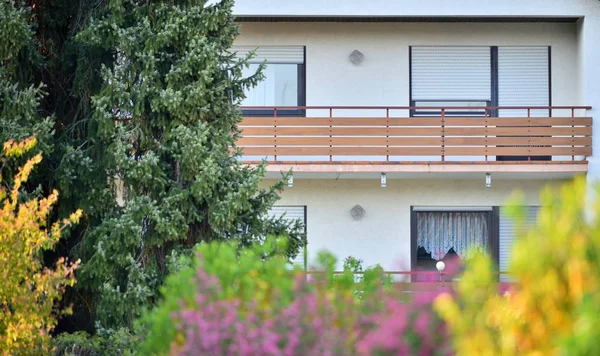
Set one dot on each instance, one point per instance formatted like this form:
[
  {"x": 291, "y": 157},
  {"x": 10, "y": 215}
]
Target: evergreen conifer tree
[{"x": 167, "y": 115}]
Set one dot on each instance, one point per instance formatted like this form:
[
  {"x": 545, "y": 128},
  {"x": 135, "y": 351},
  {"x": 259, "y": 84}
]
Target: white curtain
[
  {"x": 465, "y": 232},
  {"x": 279, "y": 88}
]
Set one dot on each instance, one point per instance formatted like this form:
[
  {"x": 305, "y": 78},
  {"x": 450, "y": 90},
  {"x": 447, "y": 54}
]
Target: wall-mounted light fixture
[
  {"x": 488, "y": 180},
  {"x": 441, "y": 266},
  {"x": 291, "y": 181},
  {"x": 356, "y": 57},
  {"x": 383, "y": 180}
]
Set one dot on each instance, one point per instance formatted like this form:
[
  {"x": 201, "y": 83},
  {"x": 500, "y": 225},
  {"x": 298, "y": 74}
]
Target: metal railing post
[
  {"x": 486, "y": 133},
  {"x": 443, "y": 134},
  {"x": 330, "y": 134},
  {"x": 387, "y": 134},
  {"x": 573, "y": 132},
  {"x": 275, "y": 134},
  {"x": 529, "y": 125}
]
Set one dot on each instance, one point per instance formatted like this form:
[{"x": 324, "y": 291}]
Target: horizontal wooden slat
[
  {"x": 303, "y": 151},
  {"x": 516, "y": 141},
  {"x": 428, "y": 131},
  {"x": 286, "y": 151},
  {"x": 518, "y": 131},
  {"x": 359, "y": 141},
  {"x": 257, "y": 121},
  {"x": 340, "y": 141},
  {"x": 416, "y": 121},
  {"x": 358, "y": 131},
  {"x": 517, "y": 121},
  {"x": 256, "y": 141},
  {"x": 418, "y": 151},
  {"x": 517, "y": 151},
  {"x": 342, "y": 151},
  {"x": 257, "y": 131},
  {"x": 382, "y": 151},
  {"x": 415, "y": 151},
  {"x": 286, "y": 141},
  {"x": 258, "y": 151},
  {"x": 359, "y": 151},
  {"x": 415, "y": 141}
]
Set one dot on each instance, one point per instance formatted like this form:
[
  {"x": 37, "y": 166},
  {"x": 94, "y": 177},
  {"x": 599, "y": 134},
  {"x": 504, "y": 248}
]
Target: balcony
[{"x": 419, "y": 139}]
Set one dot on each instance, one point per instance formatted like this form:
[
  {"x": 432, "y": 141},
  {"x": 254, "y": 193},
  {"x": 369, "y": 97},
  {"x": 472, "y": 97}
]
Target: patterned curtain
[{"x": 466, "y": 233}]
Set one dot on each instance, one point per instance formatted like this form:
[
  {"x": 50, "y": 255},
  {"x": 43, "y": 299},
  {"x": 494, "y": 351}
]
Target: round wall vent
[
  {"x": 357, "y": 212},
  {"x": 356, "y": 57}
]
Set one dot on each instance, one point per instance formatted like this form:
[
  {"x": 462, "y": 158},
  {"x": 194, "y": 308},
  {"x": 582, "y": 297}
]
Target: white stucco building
[{"x": 430, "y": 96}]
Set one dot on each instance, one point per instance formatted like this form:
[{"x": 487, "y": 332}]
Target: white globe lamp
[{"x": 440, "y": 267}]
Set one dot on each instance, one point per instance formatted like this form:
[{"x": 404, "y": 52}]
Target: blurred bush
[
  {"x": 554, "y": 305},
  {"x": 249, "y": 305}
]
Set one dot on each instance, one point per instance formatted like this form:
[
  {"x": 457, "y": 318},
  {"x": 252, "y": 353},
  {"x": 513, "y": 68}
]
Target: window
[
  {"x": 284, "y": 81},
  {"x": 509, "y": 231},
  {"x": 450, "y": 76},
  {"x": 476, "y": 76},
  {"x": 439, "y": 235},
  {"x": 480, "y": 76},
  {"x": 292, "y": 213}
]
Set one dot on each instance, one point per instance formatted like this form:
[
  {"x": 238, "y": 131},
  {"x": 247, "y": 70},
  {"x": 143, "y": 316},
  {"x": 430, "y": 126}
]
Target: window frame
[
  {"x": 305, "y": 223},
  {"x": 494, "y": 96},
  {"x": 300, "y": 112},
  {"x": 493, "y": 220}
]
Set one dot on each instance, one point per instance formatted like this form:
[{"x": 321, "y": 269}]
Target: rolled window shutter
[
  {"x": 445, "y": 73},
  {"x": 291, "y": 213},
  {"x": 508, "y": 234},
  {"x": 523, "y": 79},
  {"x": 272, "y": 54}
]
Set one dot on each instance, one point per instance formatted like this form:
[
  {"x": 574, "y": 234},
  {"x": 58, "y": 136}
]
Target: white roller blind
[
  {"x": 291, "y": 213},
  {"x": 523, "y": 79},
  {"x": 508, "y": 232},
  {"x": 450, "y": 73},
  {"x": 272, "y": 54}
]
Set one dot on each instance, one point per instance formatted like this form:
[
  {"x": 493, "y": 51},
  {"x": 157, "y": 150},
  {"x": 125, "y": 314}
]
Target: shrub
[
  {"x": 249, "y": 305},
  {"x": 554, "y": 306},
  {"x": 122, "y": 342},
  {"x": 373, "y": 275},
  {"x": 28, "y": 291}
]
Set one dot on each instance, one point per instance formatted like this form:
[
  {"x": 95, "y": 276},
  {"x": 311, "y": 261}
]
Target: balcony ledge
[{"x": 572, "y": 167}]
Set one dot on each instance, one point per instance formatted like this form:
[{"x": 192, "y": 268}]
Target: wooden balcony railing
[{"x": 566, "y": 137}]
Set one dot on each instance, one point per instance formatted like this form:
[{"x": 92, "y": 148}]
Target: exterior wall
[
  {"x": 428, "y": 8},
  {"x": 383, "y": 77},
  {"x": 383, "y": 234},
  {"x": 588, "y": 11}
]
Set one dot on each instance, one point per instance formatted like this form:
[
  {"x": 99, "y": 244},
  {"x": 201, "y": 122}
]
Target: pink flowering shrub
[{"x": 248, "y": 305}]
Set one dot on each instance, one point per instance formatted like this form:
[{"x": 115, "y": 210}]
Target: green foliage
[
  {"x": 143, "y": 94},
  {"x": 246, "y": 275},
  {"x": 367, "y": 279},
  {"x": 121, "y": 343},
  {"x": 19, "y": 97},
  {"x": 240, "y": 302},
  {"x": 167, "y": 116}
]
